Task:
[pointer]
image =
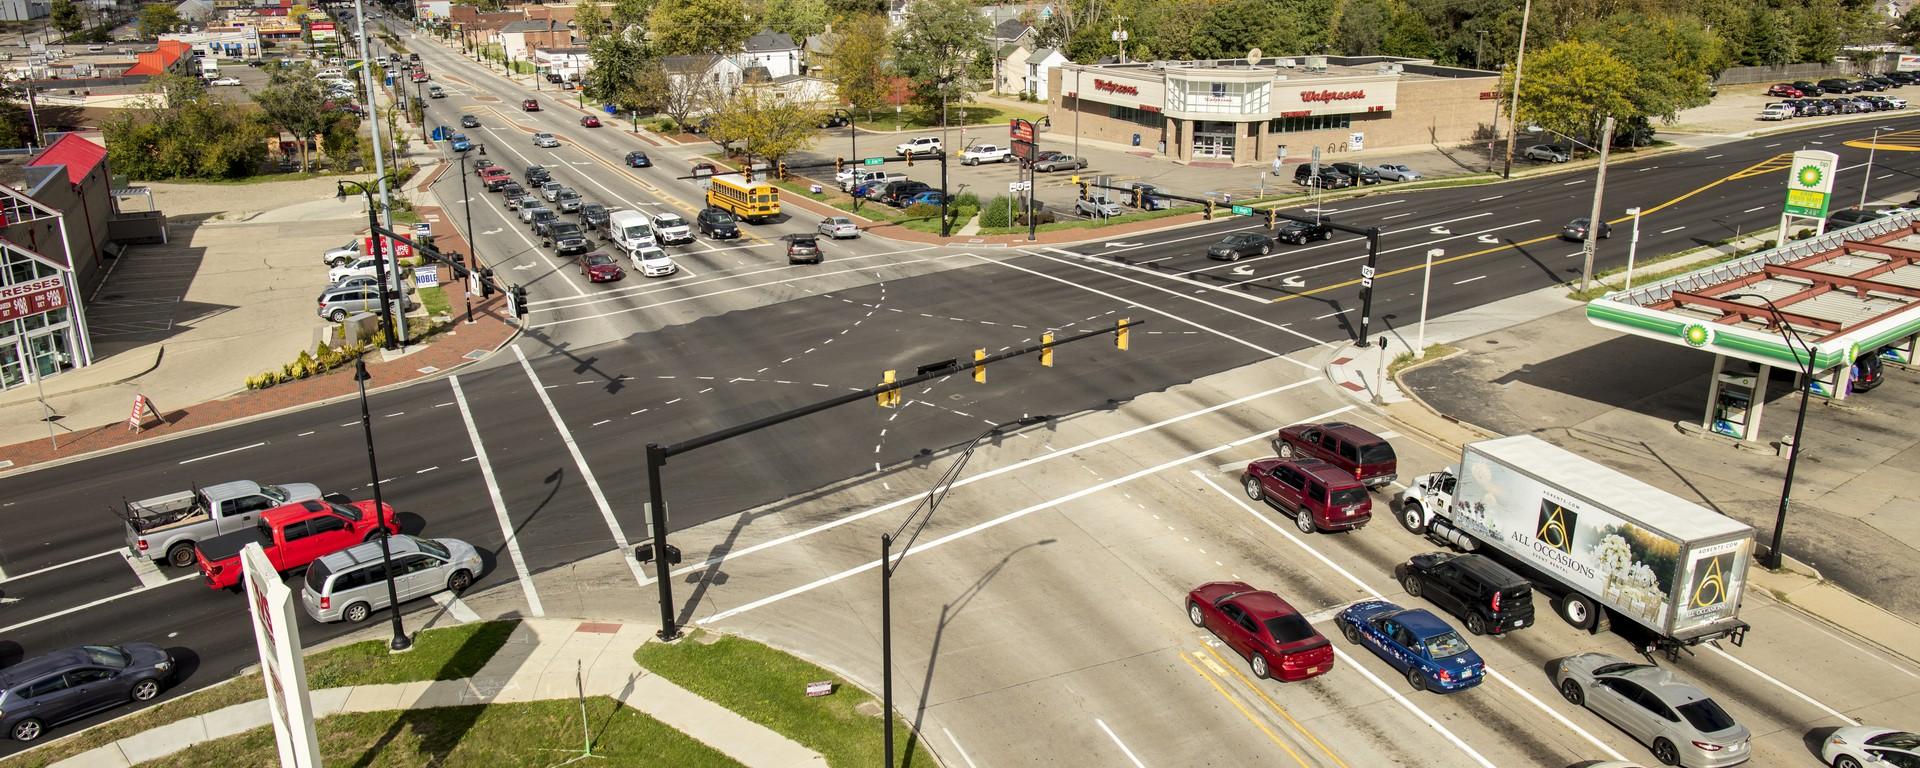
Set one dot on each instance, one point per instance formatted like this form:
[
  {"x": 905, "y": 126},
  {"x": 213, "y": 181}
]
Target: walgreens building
[{"x": 1236, "y": 112}]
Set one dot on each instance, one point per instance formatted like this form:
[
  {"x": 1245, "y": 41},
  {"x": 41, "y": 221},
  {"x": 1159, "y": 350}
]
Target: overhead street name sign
[{"x": 1243, "y": 210}]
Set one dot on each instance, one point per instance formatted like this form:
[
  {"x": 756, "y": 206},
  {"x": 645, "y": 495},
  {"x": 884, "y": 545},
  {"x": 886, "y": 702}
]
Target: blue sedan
[
  {"x": 638, "y": 159},
  {"x": 867, "y": 189},
  {"x": 1418, "y": 644},
  {"x": 460, "y": 143}
]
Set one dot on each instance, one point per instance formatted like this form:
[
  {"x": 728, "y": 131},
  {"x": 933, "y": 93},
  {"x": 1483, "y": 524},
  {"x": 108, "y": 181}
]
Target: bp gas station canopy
[{"x": 1849, "y": 293}]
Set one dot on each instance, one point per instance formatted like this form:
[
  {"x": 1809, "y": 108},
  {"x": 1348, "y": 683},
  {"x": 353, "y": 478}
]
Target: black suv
[
  {"x": 1301, "y": 232},
  {"x": 717, "y": 224},
  {"x": 567, "y": 238},
  {"x": 898, "y": 194},
  {"x": 1837, "y": 85},
  {"x": 593, "y": 216},
  {"x": 1808, "y": 89},
  {"x": 538, "y": 175},
  {"x": 1358, "y": 172},
  {"x": 1483, "y": 593}
]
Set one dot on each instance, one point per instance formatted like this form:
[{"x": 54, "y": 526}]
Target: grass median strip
[
  {"x": 532, "y": 734},
  {"x": 450, "y": 653},
  {"x": 768, "y": 687}
]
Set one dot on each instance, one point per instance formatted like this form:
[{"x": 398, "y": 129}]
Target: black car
[
  {"x": 638, "y": 159},
  {"x": 1807, "y": 88},
  {"x": 1328, "y": 178},
  {"x": 75, "y": 682},
  {"x": 1301, "y": 232},
  {"x": 567, "y": 238},
  {"x": 1886, "y": 82},
  {"x": 1903, "y": 78},
  {"x": 1358, "y": 172},
  {"x": 1837, "y": 85},
  {"x": 543, "y": 219},
  {"x": 1870, "y": 84},
  {"x": 717, "y": 224},
  {"x": 832, "y": 121},
  {"x": 897, "y": 193},
  {"x": 537, "y": 175},
  {"x": 804, "y": 249},
  {"x": 1576, "y": 230},
  {"x": 1483, "y": 593},
  {"x": 469, "y": 121},
  {"x": 593, "y": 216},
  {"x": 1234, "y": 246}
]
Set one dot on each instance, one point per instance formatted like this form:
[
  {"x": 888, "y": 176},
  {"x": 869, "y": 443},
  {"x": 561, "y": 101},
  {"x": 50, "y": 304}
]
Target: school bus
[{"x": 750, "y": 200}]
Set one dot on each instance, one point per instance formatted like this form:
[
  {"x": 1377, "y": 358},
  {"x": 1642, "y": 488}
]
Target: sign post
[
  {"x": 276, "y": 631},
  {"x": 1809, "y": 190}
]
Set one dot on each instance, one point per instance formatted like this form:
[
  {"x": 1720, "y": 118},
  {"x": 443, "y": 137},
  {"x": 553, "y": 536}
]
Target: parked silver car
[
  {"x": 1548, "y": 153},
  {"x": 339, "y": 303},
  {"x": 351, "y": 584},
  {"x": 1680, "y": 723},
  {"x": 1396, "y": 172}
]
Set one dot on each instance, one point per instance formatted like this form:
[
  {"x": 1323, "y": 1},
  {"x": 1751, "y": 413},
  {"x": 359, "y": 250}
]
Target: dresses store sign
[{"x": 34, "y": 297}]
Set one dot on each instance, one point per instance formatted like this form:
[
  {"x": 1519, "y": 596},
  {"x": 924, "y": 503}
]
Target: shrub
[{"x": 999, "y": 212}]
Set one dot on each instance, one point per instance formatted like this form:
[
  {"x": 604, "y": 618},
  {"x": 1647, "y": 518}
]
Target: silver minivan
[
  {"x": 337, "y": 304},
  {"x": 351, "y": 584}
]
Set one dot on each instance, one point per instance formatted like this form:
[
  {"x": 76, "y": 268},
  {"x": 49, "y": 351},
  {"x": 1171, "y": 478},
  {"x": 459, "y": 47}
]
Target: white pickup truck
[
  {"x": 165, "y": 528},
  {"x": 923, "y": 145},
  {"x": 985, "y": 153}
]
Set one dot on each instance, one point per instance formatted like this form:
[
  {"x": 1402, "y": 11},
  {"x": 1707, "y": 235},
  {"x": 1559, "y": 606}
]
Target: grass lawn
[
  {"x": 533, "y": 734},
  {"x": 449, "y": 653},
  {"x": 435, "y": 300},
  {"x": 767, "y": 686}
]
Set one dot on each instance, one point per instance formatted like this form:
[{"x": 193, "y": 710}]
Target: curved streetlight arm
[
  {"x": 938, "y": 492},
  {"x": 1787, "y": 331}
]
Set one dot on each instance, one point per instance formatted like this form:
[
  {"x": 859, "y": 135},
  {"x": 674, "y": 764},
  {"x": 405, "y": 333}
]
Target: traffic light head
[
  {"x": 1120, "y": 332},
  {"x": 783, "y": 170},
  {"x": 839, "y": 165},
  {"x": 1209, "y": 209},
  {"x": 1046, "y": 349},
  {"x": 1273, "y": 218},
  {"x": 909, "y": 159},
  {"x": 1139, "y": 197},
  {"x": 1083, "y": 190},
  {"x": 519, "y": 297},
  {"x": 748, "y": 170},
  {"x": 486, "y": 283}
]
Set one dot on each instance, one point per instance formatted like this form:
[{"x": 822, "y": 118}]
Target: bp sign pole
[{"x": 1809, "y": 191}]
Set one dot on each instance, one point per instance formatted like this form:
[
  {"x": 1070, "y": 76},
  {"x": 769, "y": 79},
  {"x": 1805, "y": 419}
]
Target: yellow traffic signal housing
[
  {"x": 891, "y": 397},
  {"x": 1120, "y": 332},
  {"x": 1074, "y": 179},
  {"x": 1273, "y": 218},
  {"x": 979, "y": 370},
  {"x": 839, "y": 165},
  {"x": 909, "y": 159},
  {"x": 1139, "y": 197},
  {"x": 1209, "y": 208},
  {"x": 1083, "y": 190},
  {"x": 1046, "y": 349},
  {"x": 783, "y": 170}
]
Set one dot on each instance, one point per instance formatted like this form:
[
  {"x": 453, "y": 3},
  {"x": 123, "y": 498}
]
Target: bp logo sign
[
  {"x": 1810, "y": 186},
  {"x": 1698, "y": 335},
  {"x": 1809, "y": 176}
]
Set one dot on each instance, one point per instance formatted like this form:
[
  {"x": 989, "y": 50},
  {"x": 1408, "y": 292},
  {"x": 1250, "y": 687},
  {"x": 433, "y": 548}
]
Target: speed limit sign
[{"x": 1366, "y": 270}]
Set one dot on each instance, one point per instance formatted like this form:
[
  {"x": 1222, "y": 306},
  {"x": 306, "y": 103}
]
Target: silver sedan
[
  {"x": 1680, "y": 723},
  {"x": 838, "y": 227}
]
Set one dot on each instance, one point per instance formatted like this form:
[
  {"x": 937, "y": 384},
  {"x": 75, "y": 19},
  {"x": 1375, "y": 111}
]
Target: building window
[
  {"x": 1309, "y": 123},
  {"x": 1219, "y": 90},
  {"x": 1138, "y": 117}
]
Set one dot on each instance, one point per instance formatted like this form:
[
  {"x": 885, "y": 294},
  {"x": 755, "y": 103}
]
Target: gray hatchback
[
  {"x": 351, "y": 584},
  {"x": 72, "y": 683}
]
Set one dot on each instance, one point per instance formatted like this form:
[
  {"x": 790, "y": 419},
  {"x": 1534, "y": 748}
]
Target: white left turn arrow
[
  {"x": 1488, "y": 239},
  {"x": 1293, "y": 282},
  {"x": 1121, "y": 245},
  {"x": 1440, "y": 230},
  {"x": 1243, "y": 270}
]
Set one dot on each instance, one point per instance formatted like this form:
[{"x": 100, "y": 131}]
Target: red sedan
[
  {"x": 1274, "y": 638},
  {"x": 530, "y": 105},
  {"x": 600, "y": 268},
  {"x": 589, "y": 122}
]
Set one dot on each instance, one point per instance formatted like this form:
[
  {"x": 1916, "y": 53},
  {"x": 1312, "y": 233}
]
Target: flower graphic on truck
[{"x": 1636, "y": 568}]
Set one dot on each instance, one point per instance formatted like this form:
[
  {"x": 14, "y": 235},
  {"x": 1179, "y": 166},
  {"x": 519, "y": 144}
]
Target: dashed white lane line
[
  {"x": 1755, "y": 208},
  {"x": 1770, "y": 146},
  {"x": 96, "y": 603},
  {"x": 1782, "y": 686},
  {"x": 398, "y": 413},
  {"x": 1710, "y": 157},
  {"x": 1490, "y": 199},
  {"x": 304, "y": 434},
  {"x": 586, "y": 471},
  {"x": 1121, "y": 744},
  {"x": 1398, "y": 215},
  {"x": 1673, "y": 230},
  {"x": 223, "y": 453},
  {"x": 1469, "y": 280},
  {"x": 499, "y": 503},
  {"x": 1364, "y": 587},
  {"x": 428, "y": 469}
]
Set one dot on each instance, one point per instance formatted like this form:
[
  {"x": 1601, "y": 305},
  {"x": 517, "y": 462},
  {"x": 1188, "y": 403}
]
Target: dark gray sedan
[
  {"x": 1576, "y": 230},
  {"x": 69, "y": 684},
  {"x": 1234, "y": 246}
]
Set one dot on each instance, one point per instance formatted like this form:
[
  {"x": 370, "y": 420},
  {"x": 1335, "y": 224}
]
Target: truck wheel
[
  {"x": 1413, "y": 518},
  {"x": 1578, "y": 610},
  {"x": 356, "y": 613},
  {"x": 1253, "y": 489},
  {"x": 181, "y": 555},
  {"x": 1285, "y": 449},
  {"x": 1412, "y": 585},
  {"x": 1303, "y": 520}
]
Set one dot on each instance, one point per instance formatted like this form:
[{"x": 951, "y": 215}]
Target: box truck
[{"x": 1605, "y": 545}]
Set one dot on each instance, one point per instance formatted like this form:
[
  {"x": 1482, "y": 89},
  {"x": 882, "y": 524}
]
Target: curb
[{"x": 158, "y": 355}]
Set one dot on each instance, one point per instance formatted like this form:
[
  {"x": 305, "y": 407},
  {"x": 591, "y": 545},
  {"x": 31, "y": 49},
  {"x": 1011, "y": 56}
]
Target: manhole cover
[{"x": 475, "y": 355}]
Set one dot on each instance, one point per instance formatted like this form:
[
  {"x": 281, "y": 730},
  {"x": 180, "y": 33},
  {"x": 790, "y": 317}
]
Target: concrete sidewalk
[{"x": 539, "y": 662}]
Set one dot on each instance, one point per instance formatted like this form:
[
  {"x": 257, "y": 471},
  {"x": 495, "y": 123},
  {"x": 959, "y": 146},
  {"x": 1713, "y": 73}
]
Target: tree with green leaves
[
  {"x": 762, "y": 124},
  {"x": 615, "y": 59},
  {"x": 1673, "y": 59},
  {"x": 1766, "y": 38},
  {"x": 1908, "y": 27},
  {"x": 857, "y": 64},
  {"x": 67, "y": 17},
  {"x": 1571, "y": 88},
  {"x": 1232, "y": 28},
  {"x": 184, "y": 131},
  {"x": 942, "y": 49},
  {"x": 590, "y": 20},
  {"x": 1409, "y": 34},
  {"x": 157, "y": 18},
  {"x": 799, "y": 18},
  {"x": 687, "y": 27},
  {"x": 630, "y": 16},
  {"x": 293, "y": 101}
]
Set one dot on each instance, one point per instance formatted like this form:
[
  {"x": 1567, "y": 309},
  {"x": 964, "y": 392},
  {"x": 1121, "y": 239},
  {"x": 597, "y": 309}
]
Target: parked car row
[
  {"x": 1783, "y": 110},
  {"x": 1343, "y": 174},
  {"x": 1800, "y": 88}
]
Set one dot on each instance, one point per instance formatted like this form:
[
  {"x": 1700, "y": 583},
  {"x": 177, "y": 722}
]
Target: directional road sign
[
  {"x": 1243, "y": 210},
  {"x": 874, "y": 161}
]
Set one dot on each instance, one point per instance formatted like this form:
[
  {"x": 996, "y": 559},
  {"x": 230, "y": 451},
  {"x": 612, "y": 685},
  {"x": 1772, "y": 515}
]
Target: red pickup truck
[{"x": 293, "y": 536}]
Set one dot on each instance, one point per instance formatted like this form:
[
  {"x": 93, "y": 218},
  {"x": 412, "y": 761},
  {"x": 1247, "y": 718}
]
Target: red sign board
[
  {"x": 1117, "y": 88},
  {"x": 321, "y": 26},
  {"x": 388, "y": 246},
  {"x": 34, "y": 297},
  {"x": 1020, "y": 130}
]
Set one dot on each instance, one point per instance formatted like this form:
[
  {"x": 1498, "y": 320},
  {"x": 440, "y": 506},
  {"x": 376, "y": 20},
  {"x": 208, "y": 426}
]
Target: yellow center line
[
  {"x": 1765, "y": 166},
  {"x": 1277, "y": 708},
  {"x": 1244, "y": 711}
]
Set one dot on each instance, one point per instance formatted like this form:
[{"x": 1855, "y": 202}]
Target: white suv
[
  {"x": 344, "y": 254},
  {"x": 924, "y": 145}
]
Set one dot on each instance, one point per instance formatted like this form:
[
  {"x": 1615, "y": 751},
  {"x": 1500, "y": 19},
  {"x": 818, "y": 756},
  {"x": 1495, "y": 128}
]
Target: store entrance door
[{"x": 1213, "y": 145}]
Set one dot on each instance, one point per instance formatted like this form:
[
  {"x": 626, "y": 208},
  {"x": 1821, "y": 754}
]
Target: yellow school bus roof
[{"x": 739, "y": 180}]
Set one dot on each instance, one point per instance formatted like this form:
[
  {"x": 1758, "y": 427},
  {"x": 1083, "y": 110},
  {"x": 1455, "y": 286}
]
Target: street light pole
[
  {"x": 1593, "y": 220},
  {"x": 1426, "y": 285},
  {"x": 379, "y": 261},
  {"x": 1799, "y": 421},
  {"x": 1633, "y": 245},
  {"x": 1869, "y": 176},
  {"x": 400, "y": 640},
  {"x": 473, "y": 245}
]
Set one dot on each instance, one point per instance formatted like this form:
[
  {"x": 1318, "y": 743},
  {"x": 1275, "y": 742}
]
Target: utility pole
[
  {"x": 1593, "y": 219},
  {"x": 379, "y": 159},
  {"x": 1513, "y": 107}
]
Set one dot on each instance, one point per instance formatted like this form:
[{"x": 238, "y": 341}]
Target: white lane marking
[
  {"x": 1422, "y": 244},
  {"x": 1488, "y": 199},
  {"x": 1169, "y": 315},
  {"x": 1782, "y": 686},
  {"x": 499, "y": 503},
  {"x": 1469, "y": 280},
  {"x": 1883, "y": 176},
  {"x": 76, "y": 561},
  {"x": 96, "y": 603},
  {"x": 428, "y": 469},
  {"x": 1163, "y": 289},
  {"x": 1710, "y": 157},
  {"x": 456, "y": 607},
  {"x": 962, "y": 750},
  {"x": 1331, "y": 314},
  {"x": 148, "y": 573},
  {"x": 304, "y": 434},
  {"x": 1121, "y": 744},
  {"x": 1398, "y": 215},
  {"x": 1675, "y": 229},
  {"x": 1330, "y": 243},
  {"x": 513, "y": 223},
  {"x": 1277, "y": 528},
  {"x": 1220, "y": 233},
  {"x": 586, "y": 472},
  {"x": 1051, "y": 454},
  {"x": 812, "y": 276},
  {"x": 1822, "y": 136},
  {"x": 1755, "y": 208},
  {"x": 1575, "y": 181},
  {"x": 222, "y": 453},
  {"x": 1163, "y": 275},
  {"x": 1770, "y": 146}
]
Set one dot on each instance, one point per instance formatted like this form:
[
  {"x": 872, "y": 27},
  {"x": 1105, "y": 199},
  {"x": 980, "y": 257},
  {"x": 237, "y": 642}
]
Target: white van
[
  {"x": 329, "y": 74},
  {"x": 631, "y": 230}
]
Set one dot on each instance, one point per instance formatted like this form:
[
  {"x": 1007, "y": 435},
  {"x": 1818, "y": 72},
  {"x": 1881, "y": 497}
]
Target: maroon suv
[
  {"x": 1364, "y": 455},
  {"x": 1320, "y": 496}
]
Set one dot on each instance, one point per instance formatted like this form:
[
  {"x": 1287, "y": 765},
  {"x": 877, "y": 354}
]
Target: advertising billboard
[{"x": 1810, "y": 183}]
